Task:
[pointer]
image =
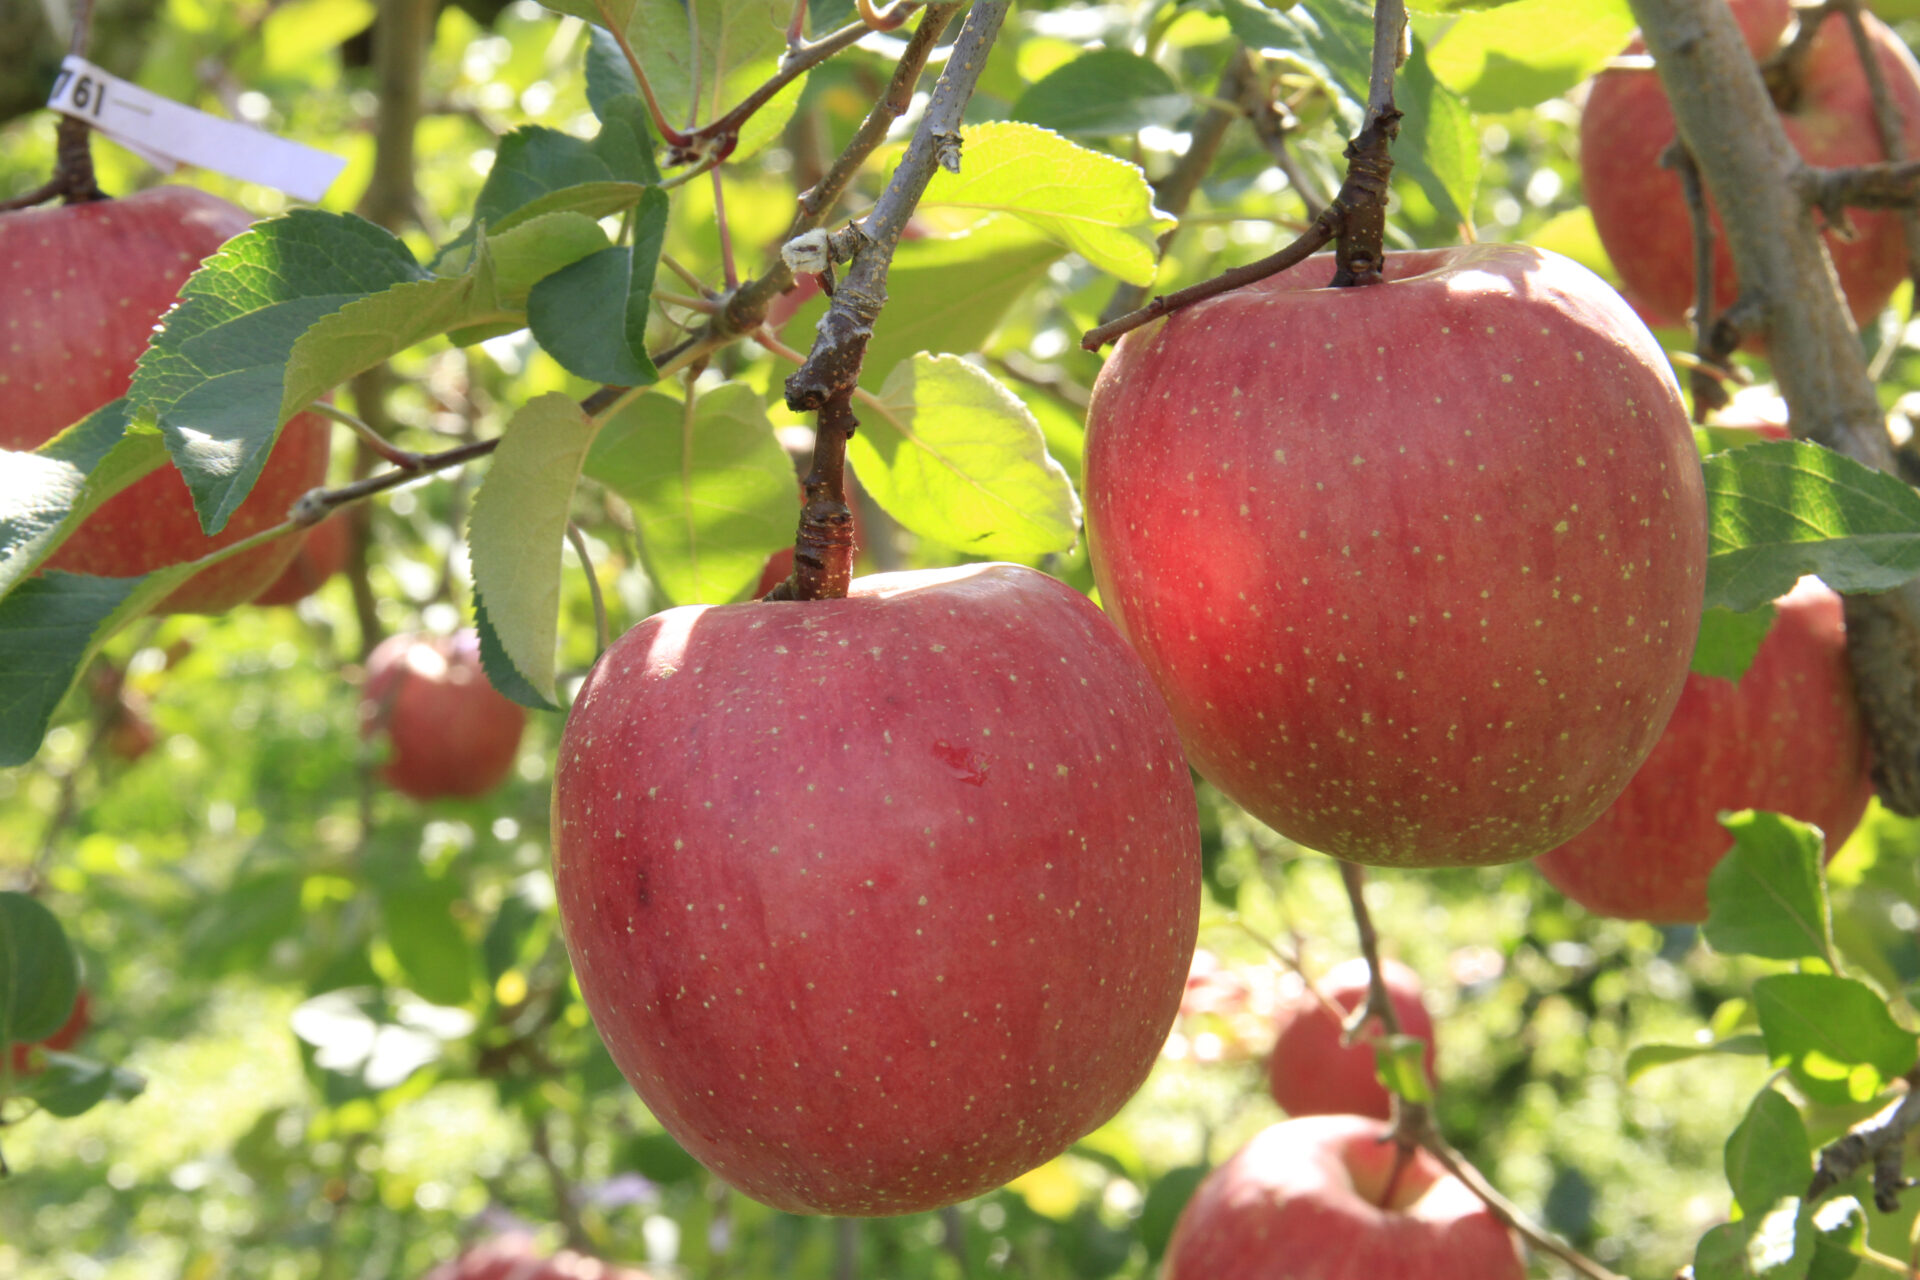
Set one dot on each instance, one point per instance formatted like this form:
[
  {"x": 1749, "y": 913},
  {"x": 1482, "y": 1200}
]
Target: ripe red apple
[
  {"x": 1788, "y": 737},
  {"x": 81, "y": 287},
  {"x": 878, "y": 902},
  {"x": 1316, "y": 1199},
  {"x": 449, "y": 732},
  {"x": 1417, "y": 565},
  {"x": 1310, "y": 1071},
  {"x": 1641, "y": 214},
  {"x": 27, "y": 1060},
  {"x": 322, "y": 553},
  {"x": 514, "y": 1255}
]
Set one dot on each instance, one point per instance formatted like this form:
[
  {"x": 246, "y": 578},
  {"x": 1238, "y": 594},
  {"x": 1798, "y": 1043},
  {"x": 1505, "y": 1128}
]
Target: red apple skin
[
  {"x": 81, "y": 288},
  {"x": 1641, "y": 214},
  {"x": 448, "y": 731},
  {"x": 1418, "y": 566},
  {"x": 1311, "y": 1073},
  {"x": 25, "y": 1056},
  {"x": 1306, "y": 1200},
  {"x": 514, "y": 1255},
  {"x": 1788, "y": 737},
  {"x": 322, "y": 553},
  {"x": 878, "y": 902}
]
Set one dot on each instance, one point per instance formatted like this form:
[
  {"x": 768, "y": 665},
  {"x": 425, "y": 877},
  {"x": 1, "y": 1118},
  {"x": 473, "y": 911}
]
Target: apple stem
[
  {"x": 823, "y": 548},
  {"x": 579, "y": 542},
  {"x": 1714, "y": 341},
  {"x": 73, "y": 181},
  {"x": 1360, "y": 251},
  {"x": 1378, "y": 1004}
]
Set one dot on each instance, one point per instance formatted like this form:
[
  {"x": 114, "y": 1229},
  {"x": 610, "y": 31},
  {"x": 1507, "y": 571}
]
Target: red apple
[
  {"x": 322, "y": 553},
  {"x": 1310, "y": 1071},
  {"x": 1788, "y": 737},
  {"x": 80, "y": 290},
  {"x": 1316, "y": 1199},
  {"x": 449, "y": 732},
  {"x": 1418, "y": 565},
  {"x": 27, "y": 1060},
  {"x": 1642, "y": 216},
  {"x": 878, "y": 902}
]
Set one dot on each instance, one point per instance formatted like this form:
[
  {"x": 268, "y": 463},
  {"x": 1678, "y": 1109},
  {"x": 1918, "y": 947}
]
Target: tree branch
[{"x": 1727, "y": 120}]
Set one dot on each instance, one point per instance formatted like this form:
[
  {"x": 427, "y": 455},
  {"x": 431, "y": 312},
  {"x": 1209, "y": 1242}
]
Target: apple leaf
[
  {"x": 1765, "y": 898},
  {"x": 957, "y": 458},
  {"x": 1768, "y": 1156},
  {"x": 1834, "y": 1034},
  {"x": 1728, "y": 641},
  {"x": 363, "y": 1040},
  {"x": 219, "y": 356},
  {"x": 519, "y": 521},
  {"x": 1399, "y": 1063},
  {"x": 1842, "y": 1224},
  {"x": 1785, "y": 508},
  {"x": 45, "y": 494},
  {"x": 1095, "y": 204},
  {"x": 39, "y": 976},
  {"x": 71, "y": 1085},
  {"x": 1529, "y": 51},
  {"x": 1643, "y": 1058},
  {"x": 1775, "y": 1245},
  {"x": 426, "y": 940},
  {"x": 591, "y": 316},
  {"x": 1103, "y": 93},
  {"x": 712, "y": 491},
  {"x": 1438, "y": 148},
  {"x": 947, "y": 293},
  {"x": 741, "y": 43}
]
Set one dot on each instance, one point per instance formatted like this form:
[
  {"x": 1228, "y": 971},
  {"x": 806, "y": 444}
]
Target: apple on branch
[
  {"x": 1418, "y": 565},
  {"x": 1788, "y": 737},
  {"x": 1326, "y": 1198},
  {"x": 1311, "y": 1071},
  {"x": 878, "y": 902},
  {"x": 448, "y": 732},
  {"x": 26, "y": 1057},
  {"x": 82, "y": 287},
  {"x": 1639, "y": 207}
]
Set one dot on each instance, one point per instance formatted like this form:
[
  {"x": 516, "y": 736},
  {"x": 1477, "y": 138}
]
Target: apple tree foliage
[{"x": 335, "y": 1031}]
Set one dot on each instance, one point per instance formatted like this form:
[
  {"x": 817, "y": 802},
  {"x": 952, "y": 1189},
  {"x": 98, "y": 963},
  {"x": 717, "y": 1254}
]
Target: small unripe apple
[
  {"x": 1639, "y": 207},
  {"x": 1418, "y": 565},
  {"x": 26, "y": 1058},
  {"x": 1324, "y": 1198},
  {"x": 81, "y": 287},
  {"x": 878, "y": 902},
  {"x": 322, "y": 553},
  {"x": 1311, "y": 1072},
  {"x": 1788, "y": 737},
  {"x": 448, "y": 732}
]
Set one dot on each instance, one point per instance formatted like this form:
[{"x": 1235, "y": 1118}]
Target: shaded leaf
[
  {"x": 1765, "y": 897},
  {"x": 1643, "y": 1058},
  {"x": 591, "y": 316},
  {"x": 39, "y": 975},
  {"x": 71, "y": 1085},
  {"x": 1103, "y": 92},
  {"x": 46, "y": 494}
]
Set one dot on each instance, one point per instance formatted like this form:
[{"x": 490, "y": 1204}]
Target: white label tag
[{"x": 164, "y": 132}]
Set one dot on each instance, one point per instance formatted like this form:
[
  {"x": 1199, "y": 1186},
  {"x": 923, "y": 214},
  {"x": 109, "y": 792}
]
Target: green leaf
[
  {"x": 947, "y": 293},
  {"x": 1643, "y": 1058},
  {"x": 1775, "y": 1245},
  {"x": 598, "y": 176},
  {"x": 1399, "y": 1063},
  {"x": 1455, "y": 6},
  {"x": 369, "y": 1040},
  {"x": 39, "y": 976},
  {"x": 1529, "y": 51},
  {"x": 1842, "y": 1224},
  {"x": 711, "y": 488},
  {"x": 1785, "y": 508},
  {"x": 46, "y": 494},
  {"x": 427, "y": 941},
  {"x": 519, "y": 521},
  {"x": 72, "y": 1085},
  {"x": 1727, "y": 642},
  {"x": 1165, "y": 1200},
  {"x": 1834, "y": 1034},
  {"x": 740, "y": 47},
  {"x": 1096, "y": 205},
  {"x": 220, "y": 356},
  {"x": 1768, "y": 1156},
  {"x": 1438, "y": 148},
  {"x": 1103, "y": 93},
  {"x": 957, "y": 458},
  {"x": 1764, "y": 898},
  {"x": 592, "y": 316}
]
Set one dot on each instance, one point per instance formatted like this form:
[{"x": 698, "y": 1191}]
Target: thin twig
[
  {"x": 672, "y": 136},
  {"x": 565, "y": 1211},
  {"x": 728, "y": 271},
  {"x": 374, "y": 440},
  {"x": 1510, "y": 1214},
  {"x": 1709, "y": 393},
  {"x": 579, "y": 542},
  {"x": 1863, "y": 1145},
  {"x": 685, "y": 273},
  {"x": 1378, "y": 1004}
]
